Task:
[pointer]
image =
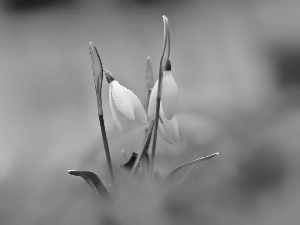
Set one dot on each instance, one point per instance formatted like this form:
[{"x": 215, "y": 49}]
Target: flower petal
[
  {"x": 164, "y": 133},
  {"x": 171, "y": 127},
  {"x": 113, "y": 111},
  {"x": 124, "y": 122},
  {"x": 152, "y": 101},
  {"x": 139, "y": 111},
  {"x": 122, "y": 97},
  {"x": 169, "y": 95}
]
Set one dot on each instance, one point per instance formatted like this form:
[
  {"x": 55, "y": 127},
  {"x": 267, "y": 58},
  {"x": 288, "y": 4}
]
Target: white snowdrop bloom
[
  {"x": 124, "y": 104},
  {"x": 169, "y": 94},
  {"x": 168, "y": 129}
]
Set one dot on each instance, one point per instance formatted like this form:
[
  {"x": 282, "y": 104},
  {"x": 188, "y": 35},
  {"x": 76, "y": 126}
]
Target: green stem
[
  {"x": 144, "y": 147},
  {"x": 159, "y": 92}
]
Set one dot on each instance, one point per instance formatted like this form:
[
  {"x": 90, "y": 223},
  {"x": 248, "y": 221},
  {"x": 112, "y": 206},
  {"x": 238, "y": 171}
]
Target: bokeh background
[{"x": 237, "y": 66}]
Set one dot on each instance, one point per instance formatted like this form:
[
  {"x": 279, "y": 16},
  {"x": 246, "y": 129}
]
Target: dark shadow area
[
  {"x": 287, "y": 67},
  {"x": 262, "y": 171},
  {"x": 23, "y": 6},
  {"x": 150, "y": 3}
]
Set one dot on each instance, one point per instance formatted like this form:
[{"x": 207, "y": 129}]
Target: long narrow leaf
[
  {"x": 149, "y": 82},
  {"x": 98, "y": 74},
  {"x": 93, "y": 181},
  {"x": 175, "y": 171},
  {"x": 98, "y": 77}
]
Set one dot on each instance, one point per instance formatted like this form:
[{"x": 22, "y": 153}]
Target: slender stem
[
  {"x": 169, "y": 42},
  {"x": 155, "y": 133},
  {"x": 106, "y": 148},
  {"x": 159, "y": 92},
  {"x": 145, "y": 157},
  {"x": 144, "y": 147}
]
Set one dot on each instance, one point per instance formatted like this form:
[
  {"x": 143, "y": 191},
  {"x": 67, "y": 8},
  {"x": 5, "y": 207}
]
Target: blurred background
[{"x": 237, "y": 67}]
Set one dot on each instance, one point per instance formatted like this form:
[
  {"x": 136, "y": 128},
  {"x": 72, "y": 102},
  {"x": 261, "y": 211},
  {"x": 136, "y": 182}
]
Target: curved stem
[
  {"x": 159, "y": 91},
  {"x": 144, "y": 147}
]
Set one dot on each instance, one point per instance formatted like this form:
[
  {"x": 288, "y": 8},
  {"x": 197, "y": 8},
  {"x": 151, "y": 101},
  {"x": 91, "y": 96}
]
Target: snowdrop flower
[
  {"x": 169, "y": 94},
  {"x": 168, "y": 128},
  {"x": 124, "y": 104}
]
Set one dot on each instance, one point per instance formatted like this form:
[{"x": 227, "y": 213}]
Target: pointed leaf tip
[
  {"x": 98, "y": 74},
  {"x": 177, "y": 169},
  {"x": 93, "y": 181}
]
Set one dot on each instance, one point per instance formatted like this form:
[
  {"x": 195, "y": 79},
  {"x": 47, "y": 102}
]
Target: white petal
[
  {"x": 164, "y": 133},
  {"x": 122, "y": 97},
  {"x": 169, "y": 94},
  {"x": 122, "y": 121},
  {"x": 113, "y": 111},
  {"x": 139, "y": 110},
  {"x": 171, "y": 126},
  {"x": 152, "y": 101}
]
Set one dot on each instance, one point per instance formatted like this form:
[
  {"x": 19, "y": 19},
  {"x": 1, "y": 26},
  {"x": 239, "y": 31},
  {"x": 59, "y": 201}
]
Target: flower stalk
[
  {"x": 144, "y": 147},
  {"x": 163, "y": 60}
]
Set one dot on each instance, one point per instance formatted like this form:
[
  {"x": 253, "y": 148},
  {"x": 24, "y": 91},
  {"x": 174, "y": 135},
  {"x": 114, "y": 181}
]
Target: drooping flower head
[
  {"x": 169, "y": 94},
  {"x": 124, "y": 104},
  {"x": 168, "y": 124}
]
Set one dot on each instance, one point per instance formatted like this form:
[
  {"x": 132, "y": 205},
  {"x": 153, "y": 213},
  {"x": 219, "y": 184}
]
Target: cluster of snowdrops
[{"x": 126, "y": 108}]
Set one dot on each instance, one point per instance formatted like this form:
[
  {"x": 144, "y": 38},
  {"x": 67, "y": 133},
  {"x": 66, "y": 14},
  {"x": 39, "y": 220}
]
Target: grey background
[{"x": 236, "y": 66}]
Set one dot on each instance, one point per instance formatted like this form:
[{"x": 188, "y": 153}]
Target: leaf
[
  {"x": 128, "y": 165},
  {"x": 98, "y": 77},
  {"x": 93, "y": 181},
  {"x": 149, "y": 82},
  {"x": 175, "y": 171},
  {"x": 98, "y": 74}
]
